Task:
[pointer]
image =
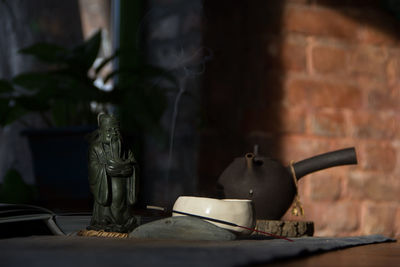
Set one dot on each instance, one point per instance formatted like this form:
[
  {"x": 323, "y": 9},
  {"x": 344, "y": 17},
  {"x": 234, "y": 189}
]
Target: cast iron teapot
[{"x": 270, "y": 185}]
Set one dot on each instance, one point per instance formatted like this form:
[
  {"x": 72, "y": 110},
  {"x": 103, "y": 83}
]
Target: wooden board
[{"x": 286, "y": 228}]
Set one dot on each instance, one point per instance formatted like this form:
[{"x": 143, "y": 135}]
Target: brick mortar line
[
  {"x": 318, "y": 7},
  {"x": 318, "y": 77},
  {"x": 351, "y": 79},
  {"x": 341, "y": 43},
  {"x": 343, "y": 138}
]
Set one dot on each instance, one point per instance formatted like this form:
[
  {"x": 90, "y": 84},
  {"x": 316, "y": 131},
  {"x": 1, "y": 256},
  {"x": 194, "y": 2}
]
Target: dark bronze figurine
[{"x": 112, "y": 179}]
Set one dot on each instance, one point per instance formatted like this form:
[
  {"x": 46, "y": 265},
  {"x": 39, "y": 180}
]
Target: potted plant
[{"x": 66, "y": 94}]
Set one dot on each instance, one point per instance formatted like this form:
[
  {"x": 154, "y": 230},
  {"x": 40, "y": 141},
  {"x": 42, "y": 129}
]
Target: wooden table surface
[{"x": 385, "y": 254}]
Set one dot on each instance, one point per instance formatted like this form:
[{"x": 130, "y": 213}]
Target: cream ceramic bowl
[{"x": 237, "y": 211}]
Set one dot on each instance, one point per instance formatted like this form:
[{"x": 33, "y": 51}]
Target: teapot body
[{"x": 263, "y": 180}]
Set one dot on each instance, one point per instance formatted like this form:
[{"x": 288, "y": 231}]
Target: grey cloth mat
[{"x": 77, "y": 251}]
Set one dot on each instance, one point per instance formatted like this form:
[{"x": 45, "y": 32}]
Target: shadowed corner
[{"x": 241, "y": 86}]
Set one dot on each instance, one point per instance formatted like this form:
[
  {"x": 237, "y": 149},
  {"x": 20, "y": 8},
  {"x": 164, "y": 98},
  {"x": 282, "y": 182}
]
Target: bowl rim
[{"x": 216, "y": 199}]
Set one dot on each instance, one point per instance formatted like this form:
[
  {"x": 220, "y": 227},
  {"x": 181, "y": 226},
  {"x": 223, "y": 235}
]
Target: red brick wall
[
  {"x": 342, "y": 86},
  {"x": 307, "y": 77}
]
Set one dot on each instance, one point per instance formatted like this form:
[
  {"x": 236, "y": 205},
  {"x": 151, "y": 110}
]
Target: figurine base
[
  {"x": 286, "y": 228},
  {"x": 95, "y": 233}
]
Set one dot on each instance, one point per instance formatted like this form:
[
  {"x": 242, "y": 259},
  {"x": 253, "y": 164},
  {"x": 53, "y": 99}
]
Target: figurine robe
[{"x": 113, "y": 195}]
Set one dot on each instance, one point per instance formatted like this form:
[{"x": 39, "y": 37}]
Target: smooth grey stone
[{"x": 182, "y": 228}]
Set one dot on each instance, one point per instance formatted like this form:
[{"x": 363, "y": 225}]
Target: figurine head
[{"x": 108, "y": 127}]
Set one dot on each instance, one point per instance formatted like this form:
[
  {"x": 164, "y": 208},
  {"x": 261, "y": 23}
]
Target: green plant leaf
[
  {"x": 111, "y": 75},
  {"x": 15, "y": 113},
  {"x": 10, "y": 113},
  {"x": 5, "y": 86},
  {"x": 52, "y": 84},
  {"x": 36, "y": 103},
  {"x": 14, "y": 189},
  {"x": 46, "y": 52},
  {"x": 106, "y": 61},
  {"x": 145, "y": 72},
  {"x": 83, "y": 56},
  {"x": 65, "y": 93},
  {"x": 33, "y": 80}
]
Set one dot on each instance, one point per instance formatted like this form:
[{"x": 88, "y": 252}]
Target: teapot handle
[{"x": 345, "y": 156}]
